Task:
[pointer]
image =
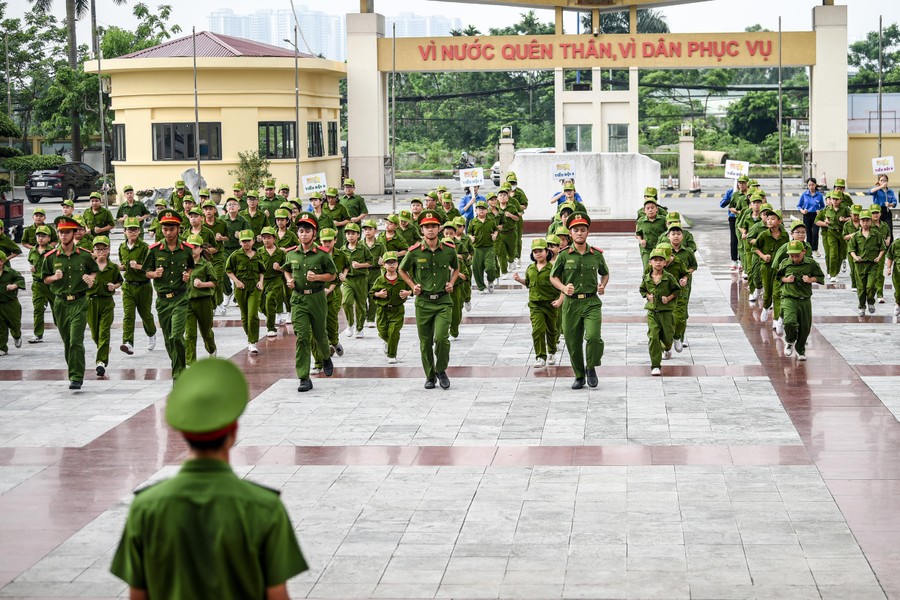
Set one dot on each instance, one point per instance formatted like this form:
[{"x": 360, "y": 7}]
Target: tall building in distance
[{"x": 320, "y": 32}]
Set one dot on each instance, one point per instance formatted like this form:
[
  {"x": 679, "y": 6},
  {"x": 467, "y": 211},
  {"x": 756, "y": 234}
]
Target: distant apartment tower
[
  {"x": 224, "y": 21},
  {"x": 413, "y": 25}
]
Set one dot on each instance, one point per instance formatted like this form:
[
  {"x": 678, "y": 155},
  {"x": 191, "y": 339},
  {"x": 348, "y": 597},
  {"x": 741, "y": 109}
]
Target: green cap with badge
[
  {"x": 252, "y": 195},
  {"x": 332, "y": 192},
  {"x": 447, "y": 197},
  {"x": 539, "y": 244},
  {"x": 208, "y": 204},
  {"x": 68, "y": 202},
  {"x": 188, "y": 198},
  {"x": 101, "y": 240},
  {"x": 481, "y": 204},
  {"x": 284, "y": 187},
  {"x": 797, "y": 225},
  {"x": 875, "y": 209},
  {"x": 270, "y": 184},
  {"x": 369, "y": 223},
  {"x": 449, "y": 225},
  {"x": 505, "y": 187},
  {"x": 795, "y": 247},
  {"x": 246, "y": 235},
  {"x": 490, "y": 195},
  {"x": 390, "y": 256},
  {"x": 160, "y": 202},
  {"x": 393, "y": 219},
  {"x": 351, "y": 227},
  {"x": 131, "y": 223},
  {"x": 203, "y": 411},
  {"x": 268, "y": 231},
  {"x": 231, "y": 199},
  {"x": 570, "y": 206},
  {"x": 196, "y": 210},
  {"x": 511, "y": 177},
  {"x": 405, "y": 215},
  {"x": 2, "y": 256},
  {"x": 349, "y": 182},
  {"x": 865, "y": 215},
  {"x": 673, "y": 216},
  {"x": 204, "y": 192},
  {"x": 553, "y": 239},
  {"x": 658, "y": 253},
  {"x": 650, "y": 192},
  {"x": 766, "y": 207},
  {"x": 562, "y": 230},
  {"x": 195, "y": 239},
  {"x": 237, "y": 185},
  {"x": 327, "y": 234},
  {"x": 569, "y": 187},
  {"x": 459, "y": 221},
  {"x": 416, "y": 201},
  {"x": 40, "y": 211},
  {"x": 675, "y": 225},
  {"x": 42, "y": 230},
  {"x": 856, "y": 209},
  {"x": 743, "y": 179},
  {"x": 840, "y": 183},
  {"x": 127, "y": 188},
  {"x": 179, "y": 184},
  {"x": 282, "y": 213}
]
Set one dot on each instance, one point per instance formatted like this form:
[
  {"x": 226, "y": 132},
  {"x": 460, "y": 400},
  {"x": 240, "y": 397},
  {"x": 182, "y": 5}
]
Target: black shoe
[
  {"x": 327, "y": 367},
  {"x": 578, "y": 383},
  {"x": 339, "y": 350},
  {"x": 74, "y": 385},
  {"x": 429, "y": 384},
  {"x": 443, "y": 380},
  {"x": 592, "y": 378},
  {"x": 101, "y": 370},
  {"x": 305, "y": 385}
]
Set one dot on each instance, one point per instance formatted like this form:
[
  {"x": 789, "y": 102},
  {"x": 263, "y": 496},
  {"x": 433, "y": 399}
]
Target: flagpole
[{"x": 196, "y": 106}]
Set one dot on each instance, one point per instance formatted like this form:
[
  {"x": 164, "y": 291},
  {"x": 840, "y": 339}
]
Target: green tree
[
  {"x": 648, "y": 21},
  {"x": 864, "y": 56},
  {"x": 754, "y": 116}
]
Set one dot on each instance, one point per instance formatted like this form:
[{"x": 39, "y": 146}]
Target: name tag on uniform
[
  {"x": 57, "y": 266},
  {"x": 422, "y": 260}
]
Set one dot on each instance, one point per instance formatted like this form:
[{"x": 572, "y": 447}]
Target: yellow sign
[{"x": 521, "y": 53}]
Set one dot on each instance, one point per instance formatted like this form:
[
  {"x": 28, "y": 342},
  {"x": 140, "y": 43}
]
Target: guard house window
[
  {"x": 314, "y": 145},
  {"x": 578, "y": 138},
  {"x": 175, "y": 141},
  {"x": 332, "y": 138},
  {"x": 118, "y": 142},
  {"x": 278, "y": 139},
  {"x": 618, "y": 137}
]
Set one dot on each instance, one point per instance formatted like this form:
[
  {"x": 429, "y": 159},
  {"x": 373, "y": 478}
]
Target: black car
[{"x": 69, "y": 180}]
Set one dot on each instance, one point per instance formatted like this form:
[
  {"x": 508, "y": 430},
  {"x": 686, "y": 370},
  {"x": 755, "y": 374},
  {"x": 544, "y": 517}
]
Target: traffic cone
[
  {"x": 670, "y": 184},
  {"x": 824, "y": 185},
  {"x": 695, "y": 184}
]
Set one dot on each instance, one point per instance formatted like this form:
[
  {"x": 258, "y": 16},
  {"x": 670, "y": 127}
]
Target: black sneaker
[
  {"x": 305, "y": 385},
  {"x": 101, "y": 369},
  {"x": 578, "y": 383},
  {"x": 339, "y": 350},
  {"x": 327, "y": 367},
  {"x": 74, "y": 385},
  {"x": 592, "y": 378},
  {"x": 443, "y": 380},
  {"x": 429, "y": 384}
]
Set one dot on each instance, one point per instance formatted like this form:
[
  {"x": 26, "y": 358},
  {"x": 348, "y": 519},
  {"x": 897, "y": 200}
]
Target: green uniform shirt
[
  {"x": 507, "y": 225},
  {"x": 893, "y": 254},
  {"x": 217, "y": 227},
  {"x": 341, "y": 263},
  {"x": 688, "y": 258},
  {"x": 650, "y": 231},
  {"x": 271, "y": 206},
  {"x": 9, "y": 276},
  {"x": 429, "y": 268},
  {"x": 739, "y": 201},
  {"x": 397, "y": 243},
  {"x": 138, "y": 209},
  {"x": 102, "y": 218},
  {"x": 9, "y": 246},
  {"x": 867, "y": 248},
  {"x": 580, "y": 270},
  {"x": 338, "y": 213},
  {"x": 393, "y": 288},
  {"x": 884, "y": 230},
  {"x": 798, "y": 288},
  {"x": 110, "y": 274},
  {"x": 288, "y": 240},
  {"x": 233, "y": 226},
  {"x": 519, "y": 198},
  {"x": 746, "y": 220},
  {"x": 667, "y": 286},
  {"x": 36, "y": 259},
  {"x": 205, "y": 272},
  {"x": 767, "y": 244},
  {"x": 452, "y": 214},
  {"x": 316, "y": 260},
  {"x": 176, "y": 202},
  {"x": 245, "y": 268},
  {"x": 86, "y": 243},
  {"x": 29, "y": 235},
  {"x": 834, "y": 218},
  {"x": 278, "y": 256},
  {"x": 538, "y": 284},
  {"x": 377, "y": 250},
  {"x": 410, "y": 234},
  {"x": 73, "y": 266},
  {"x": 174, "y": 263},
  {"x": 355, "y": 205},
  {"x": 205, "y": 533},
  {"x": 782, "y": 254},
  {"x": 205, "y": 232},
  {"x": 325, "y": 222},
  {"x": 849, "y": 228},
  {"x": 481, "y": 231},
  {"x": 359, "y": 254},
  {"x": 257, "y": 221}
]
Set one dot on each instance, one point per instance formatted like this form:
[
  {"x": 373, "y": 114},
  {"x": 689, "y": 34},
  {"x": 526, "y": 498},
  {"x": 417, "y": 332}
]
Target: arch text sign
[{"x": 677, "y": 51}]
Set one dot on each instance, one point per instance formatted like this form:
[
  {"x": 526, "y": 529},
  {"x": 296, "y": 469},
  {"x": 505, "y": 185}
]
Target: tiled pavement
[{"x": 739, "y": 474}]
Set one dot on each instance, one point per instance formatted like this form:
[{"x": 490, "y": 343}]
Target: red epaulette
[
  {"x": 291, "y": 249},
  {"x": 51, "y": 252},
  {"x": 155, "y": 245},
  {"x": 449, "y": 243},
  {"x": 571, "y": 249},
  {"x": 597, "y": 249},
  {"x": 414, "y": 246},
  {"x": 323, "y": 248}
]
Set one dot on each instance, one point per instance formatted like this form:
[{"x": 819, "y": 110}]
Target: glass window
[
  {"x": 332, "y": 138},
  {"x": 618, "y": 137},
  {"x": 314, "y": 143},
  {"x": 118, "y": 142},
  {"x": 175, "y": 141},
  {"x": 577, "y": 80},
  {"x": 278, "y": 139},
  {"x": 578, "y": 138}
]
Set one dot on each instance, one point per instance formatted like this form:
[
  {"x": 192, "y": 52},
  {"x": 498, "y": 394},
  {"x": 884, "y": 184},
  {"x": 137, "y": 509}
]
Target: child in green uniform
[
  {"x": 338, "y": 213},
  {"x": 831, "y": 223},
  {"x": 29, "y": 234},
  {"x": 334, "y": 297},
  {"x": 661, "y": 291},
  {"x": 212, "y": 222},
  {"x": 797, "y": 274},
  {"x": 11, "y": 281},
  {"x": 457, "y": 296},
  {"x": 40, "y": 293},
  {"x": 506, "y": 245},
  {"x": 407, "y": 228},
  {"x": 649, "y": 228},
  {"x": 390, "y": 292},
  {"x": 273, "y": 282},
  {"x": 285, "y": 239},
  {"x": 392, "y": 239},
  {"x": 541, "y": 298},
  {"x": 355, "y": 285},
  {"x": 743, "y": 222},
  {"x": 201, "y": 300},
  {"x": 376, "y": 249},
  {"x": 893, "y": 265},
  {"x": 798, "y": 232},
  {"x": 687, "y": 257},
  {"x": 851, "y": 226},
  {"x": 483, "y": 231},
  {"x": 246, "y": 270},
  {"x": 768, "y": 242},
  {"x": 101, "y": 305},
  {"x": 464, "y": 255},
  {"x": 234, "y": 225},
  {"x": 154, "y": 227},
  {"x": 885, "y": 231},
  {"x": 866, "y": 249}
]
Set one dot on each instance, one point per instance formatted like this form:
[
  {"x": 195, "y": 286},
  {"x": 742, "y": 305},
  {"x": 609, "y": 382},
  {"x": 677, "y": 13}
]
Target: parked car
[
  {"x": 495, "y": 172},
  {"x": 70, "y": 180}
]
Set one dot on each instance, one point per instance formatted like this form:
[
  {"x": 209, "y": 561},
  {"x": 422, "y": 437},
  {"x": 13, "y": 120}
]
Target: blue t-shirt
[
  {"x": 882, "y": 198},
  {"x": 469, "y": 213},
  {"x": 811, "y": 202}
]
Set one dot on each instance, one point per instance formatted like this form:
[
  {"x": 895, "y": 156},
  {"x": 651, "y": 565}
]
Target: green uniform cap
[
  {"x": 2, "y": 256},
  {"x": 505, "y": 187},
  {"x": 62, "y": 223},
  {"x": 237, "y": 185},
  {"x": 286, "y": 205},
  {"x": 370, "y": 223},
  {"x": 673, "y": 216},
  {"x": 447, "y": 197},
  {"x": 327, "y": 234},
  {"x": 209, "y": 396},
  {"x": 42, "y": 230},
  {"x": 80, "y": 220},
  {"x": 188, "y": 198},
  {"x": 179, "y": 184},
  {"x": 282, "y": 213},
  {"x": 268, "y": 231},
  {"x": 195, "y": 239},
  {"x": 252, "y": 194},
  {"x": 349, "y": 182},
  {"x": 231, "y": 199},
  {"x": 331, "y": 192},
  {"x": 429, "y": 217},
  {"x": 68, "y": 202},
  {"x": 481, "y": 204},
  {"x": 405, "y": 215},
  {"x": 352, "y": 227},
  {"x": 247, "y": 235},
  {"x": 795, "y": 247},
  {"x": 539, "y": 243},
  {"x": 160, "y": 202},
  {"x": 208, "y": 204},
  {"x": 459, "y": 221},
  {"x": 315, "y": 196},
  {"x": 579, "y": 218},
  {"x": 856, "y": 209},
  {"x": 553, "y": 239},
  {"x": 441, "y": 188},
  {"x": 775, "y": 212},
  {"x": 562, "y": 230},
  {"x": 797, "y": 224},
  {"x": 756, "y": 197},
  {"x": 658, "y": 253},
  {"x": 284, "y": 187},
  {"x": 511, "y": 177},
  {"x": 676, "y": 225},
  {"x": 490, "y": 195},
  {"x": 196, "y": 211},
  {"x": 569, "y": 187},
  {"x": 132, "y": 223},
  {"x": 169, "y": 217},
  {"x": 840, "y": 183},
  {"x": 390, "y": 256},
  {"x": 432, "y": 195},
  {"x": 650, "y": 192},
  {"x": 865, "y": 215},
  {"x": 393, "y": 219},
  {"x": 40, "y": 211},
  {"x": 567, "y": 206},
  {"x": 743, "y": 179},
  {"x": 875, "y": 209},
  {"x": 127, "y": 188},
  {"x": 650, "y": 200},
  {"x": 753, "y": 182},
  {"x": 765, "y": 207},
  {"x": 270, "y": 184},
  {"x": 101, "y": 239},
  {"x": 416, "y": 200},
  {"x": 449, "y": 225}
]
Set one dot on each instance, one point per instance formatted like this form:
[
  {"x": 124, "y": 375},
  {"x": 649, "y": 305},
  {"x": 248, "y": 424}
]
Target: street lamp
[{"x": 296, "y": 107}]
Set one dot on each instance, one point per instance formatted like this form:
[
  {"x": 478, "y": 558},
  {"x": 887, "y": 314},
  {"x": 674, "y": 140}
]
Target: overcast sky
[{"x": 703, "y": 16}]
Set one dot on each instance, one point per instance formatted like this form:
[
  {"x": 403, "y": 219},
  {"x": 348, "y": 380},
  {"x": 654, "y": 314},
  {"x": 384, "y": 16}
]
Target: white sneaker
[
  {"x": 740, "y": 266},
  {"x": 788, "y": 349},
  {"x": 17, "y": 342},
  {"x": 101, "y": 369},
  {"x": 348, "y": 332},
  {"x": 491, "y": 287},
  {"x": 667, "y": 355},
  {"x": 832, "y": 279},
  {"x": 779, "y": 327},
  {"x": 252, "y": 349},
  {"x": 392, "y": 360},
  {"x": 36, "y": 339},
  {"x": 745, "y": 276},
  {"x": 151, "y": 343},
  {"x": 684, "y": 343},
  {"x": 226, "y": 300},
  {"x": 360, "y": 334},
  {"x": 734, "y": 265},
  {"x": 540, "y": 363},
  {"x": 853, "y": 289},
  {"x": 370, "y": 324},
  {"x": 271, "y": 333},
  {"x": 127, "y": 348},
  {"x": 801, "y": 357},
  {"x": 315, "y": 371},
  {"x": 551, "y": 360},
  {"x": 871, "y": 309},
  {"x": 467, "y": 306},
  {"x": 678, "y": 345},
  {"x": 221, "y": 311},
  {"x": 655, "y": 372},
  {"x": 754, "y": 296},
  {"x": 3, "y": 352},
  {"x": 453, "y": 338},
  {"x": 384, "y": 347},
  {"x": 844, "y": 266},
  {"x": 764, "y": 315},
  {"x": 862, "y": 312},
  {"x": 511, "y": 266}
]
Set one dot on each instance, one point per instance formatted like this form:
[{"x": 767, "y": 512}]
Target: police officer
[
  {"x": 70, "y": 271},
  {"x": 575, "y": 275},
  {"x": 169, "y": 264},
  {"x": 430, "y": 268},
  {"x": 207, "y": 533}
]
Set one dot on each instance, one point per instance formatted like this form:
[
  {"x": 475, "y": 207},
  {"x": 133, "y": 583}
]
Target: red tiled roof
[{"x": 214, "y": 45}]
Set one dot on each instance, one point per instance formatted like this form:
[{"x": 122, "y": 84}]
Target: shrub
[{"x": 32, "y": 162}]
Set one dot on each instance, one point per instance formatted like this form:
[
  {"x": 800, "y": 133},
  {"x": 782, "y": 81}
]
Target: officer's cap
[
  {"x": 64, "y": 223},
  {"x": 102, "y": 240},
  {"x": 169, "y": 217},
  {"x": 352, "y": 227},
  {"x": 579, "y": 218},
  {"x": 795, "y": 247},
  {"x": 308, "y": 219},
  {"x": 429, "y": 217},
  {"x": 390, "y": 256},
  {"x": 268, "y": 231},
  {"x": 207, "y": 399},
  {"x": 327, "y": 234}
]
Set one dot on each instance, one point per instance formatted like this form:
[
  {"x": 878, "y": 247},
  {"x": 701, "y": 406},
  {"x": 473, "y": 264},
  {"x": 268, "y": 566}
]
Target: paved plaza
[{"x": 737, "y": 474}]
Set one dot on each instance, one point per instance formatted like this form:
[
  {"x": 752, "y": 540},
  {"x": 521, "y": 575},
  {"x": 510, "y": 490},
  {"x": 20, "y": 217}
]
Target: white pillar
[
  {"x": 506, "y": 154},
  {"x": 685, "y": 162},
  {"x": 367, "y": 115},
  {"x": 828, "y": 94}
]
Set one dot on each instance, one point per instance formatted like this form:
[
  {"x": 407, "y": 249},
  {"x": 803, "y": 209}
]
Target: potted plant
[
  {"x": 215, "y": 194},
  {"x": 107, "y": 185}
]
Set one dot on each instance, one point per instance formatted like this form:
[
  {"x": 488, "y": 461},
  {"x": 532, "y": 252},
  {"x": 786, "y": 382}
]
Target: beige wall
[
  {"x": 238, "y": 93},
  {"x": 863, "y": 148}
]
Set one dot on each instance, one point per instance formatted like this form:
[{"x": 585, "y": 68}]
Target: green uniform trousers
[
  {"x": 218, "y": 265},
  {"x": 797, "y": 315},
  {"x": 370, "y": 299},
  {"x": 833, "y": 255},
  {"x": 200, "y": 315},
  {"x": 466, "y": 285},
  {"x": 520, "y": 231},
  {"x": 767, "y": 274},
  {"x": 866, "y": 282},
  {"x": 544, "y": 332},
  {"x": 484, "y": 262},
  {"x": 355, "y": 291},
  {"x": 248, "y": 300},
  {"x": 100, "y": 319},
  {"x": 70, "y": 318},
  {"x": 505, "y": 247},
  {"x": 660, "y": 333},
  {"x": 308, "y": 314},
  {"x": 682, "y": 304},
  {"x": 433, "y": 324},
  {"x": 172, "y": 314},
  {"x": 645, "y": 255},
  {"x": 331, "y": 326},
  {"x": 879, "y": 277},
  {"x": 895, "y": 280},
  {"x": 10, "y": 323},
  {"x": 272, "y": 301},
  {"x": 137, "y": 298},
  {"x": 754, "y": 280},
  {"x": 40, "y": 299},
  {"x": 583, "y": 319},
  {"x": 389, "y": 322},
  {"x": 456, "y": 314}
]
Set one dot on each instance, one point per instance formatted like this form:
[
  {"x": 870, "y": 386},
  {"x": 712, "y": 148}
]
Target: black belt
[
  {"x": 437, "y": 296},
  {"x": 583, "y": 296},
  {"x": 70, "y": 297},
  {"x": 171, "y": 295},
  {"x": 137, "y": 283},
  {"x": 391, "y": 306},
  {"x": 308, "y": 292}
]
